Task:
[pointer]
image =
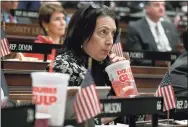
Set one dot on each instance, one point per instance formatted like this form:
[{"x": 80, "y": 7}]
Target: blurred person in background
[
  {"x": 150, "y": 33},
  {"x": 29, "y": 5},
  {"x": 179, "y": 76},
  {"x": 179, "y": 70},
  {"x": 32, "y": 5},
  {"x": 7, "y": 6},
  {"x": 52, "y": 21}
]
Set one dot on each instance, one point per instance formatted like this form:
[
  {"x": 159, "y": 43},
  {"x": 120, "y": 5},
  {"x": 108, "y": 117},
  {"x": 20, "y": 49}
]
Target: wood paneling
[{"x": 17, "y": 74}]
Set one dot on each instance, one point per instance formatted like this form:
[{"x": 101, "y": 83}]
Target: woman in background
[{"x": 52, "y": 21}]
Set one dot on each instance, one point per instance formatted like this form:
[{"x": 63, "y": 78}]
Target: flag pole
[
  {"x": 86, "y": 124},
  {"x": 89, "y": 63},
  {"x": 168, "y": 112},
  {"x": 120, "y": 31},
  {"x": 89, "y": 67}
]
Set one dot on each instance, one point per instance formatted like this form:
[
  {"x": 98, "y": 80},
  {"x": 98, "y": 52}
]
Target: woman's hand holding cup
[{"x": 114, "y": 58}]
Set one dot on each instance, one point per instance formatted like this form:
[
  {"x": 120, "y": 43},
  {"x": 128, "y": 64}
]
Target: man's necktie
[
  {"x": 11, "y": 18},
  {"x": 160, "y": 43}
]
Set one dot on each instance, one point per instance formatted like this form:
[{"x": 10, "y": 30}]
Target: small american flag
[
  {"x": 166, "y": 90},
  {"x": 87, "y": 104},
  {"x": 4, "y": 45},
  {"x": 117, "y": 47}
]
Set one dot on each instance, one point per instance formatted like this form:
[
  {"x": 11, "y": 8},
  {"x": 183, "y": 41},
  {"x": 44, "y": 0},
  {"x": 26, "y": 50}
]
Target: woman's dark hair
[
  {"x": 82, "y": 26},
  {"x": 45, "y": 12}
]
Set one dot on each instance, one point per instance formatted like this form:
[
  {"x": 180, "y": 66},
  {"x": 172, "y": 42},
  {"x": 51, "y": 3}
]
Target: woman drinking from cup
[{"x": 91, "y": 33}]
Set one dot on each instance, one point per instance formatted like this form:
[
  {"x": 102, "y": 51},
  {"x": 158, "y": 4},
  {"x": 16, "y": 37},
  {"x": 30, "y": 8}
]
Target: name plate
[
  {"x": 21, "y": 47},
  {"x": 27, "y": 47},
  {"x": 31, "y": 30},
  {"x": 151, "y": 55},
  {"x": 131, "y": 106},
  {"x": 182, "y": 104},
  {"x": 25, "y": 13}
]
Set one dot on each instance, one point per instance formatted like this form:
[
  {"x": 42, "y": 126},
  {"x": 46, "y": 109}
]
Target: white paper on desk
[
  {"x": 122, "y": 125},
  {"x": 118, "y": 125},
  {"x": 181, "y": 122},
  {"x": 109, "y": 126},
  {"x": 102, "y": 126}
]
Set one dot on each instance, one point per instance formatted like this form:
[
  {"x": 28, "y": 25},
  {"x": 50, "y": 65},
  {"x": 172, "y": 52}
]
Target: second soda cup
[{"x": 122, "y": 79}]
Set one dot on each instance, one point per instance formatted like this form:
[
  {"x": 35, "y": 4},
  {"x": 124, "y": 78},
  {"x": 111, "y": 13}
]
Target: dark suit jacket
[
  {"x": 179, "y": 74},
  {"x": 29, "y": 5},
  {"x": 140, "y": 36}
]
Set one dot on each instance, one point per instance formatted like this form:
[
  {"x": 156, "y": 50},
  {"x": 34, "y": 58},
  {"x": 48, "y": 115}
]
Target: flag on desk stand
[
  {"x": 87, "y": 103},
  {"x": 117, "y": 47},
  {"x": 166, "y": 90},
  {"x": 4, "y": 45}
]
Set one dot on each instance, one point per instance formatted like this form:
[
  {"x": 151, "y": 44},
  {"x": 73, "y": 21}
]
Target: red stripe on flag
[
  {"x": 166, "y": 90},
  {"x": 82, "y": 107},
  {"x": 86, "y": 98},
  {"x": 5, "y": 50},
  {"x": 91, "y": 101},
  {"x": 117, "y": 49},
  {"x": 80, "y": 115},
  {"x": 172, "y": 96},
  {"x": 166, "y": 96},
  {"x": 96, "y": 98},
  {"x": 86, "y": 104}
]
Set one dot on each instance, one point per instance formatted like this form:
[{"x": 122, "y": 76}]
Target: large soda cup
[
  {"x": 122, "y": 79},
  {"x": 49, "y": 94}
]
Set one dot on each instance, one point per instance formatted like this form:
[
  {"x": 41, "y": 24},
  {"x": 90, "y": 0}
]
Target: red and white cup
[
  {"x": 122, "y": 79},
  {"x": 49, "y": 91}
]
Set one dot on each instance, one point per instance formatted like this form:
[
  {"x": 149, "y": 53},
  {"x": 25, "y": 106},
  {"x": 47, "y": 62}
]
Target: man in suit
[
  {"x": 150, "y": 33},
  {"x": 7, "y": 6},
  {"x": 179, "y": 70},
  {"x": 179, "y": 77}
]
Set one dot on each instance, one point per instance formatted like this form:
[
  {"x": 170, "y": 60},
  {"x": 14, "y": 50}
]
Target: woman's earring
[
  {"x": 46, "y": 29},
  {"x": 81, "y": 46}
]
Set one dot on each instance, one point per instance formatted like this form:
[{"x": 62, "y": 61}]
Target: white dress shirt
[{"x": 161, "y": 38}]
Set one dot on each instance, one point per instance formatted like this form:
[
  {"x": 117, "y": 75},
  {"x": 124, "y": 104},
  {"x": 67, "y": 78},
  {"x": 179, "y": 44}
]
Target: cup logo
[
  {"x": 123, "y": 83},
  {"x": 44, "y": 95}
]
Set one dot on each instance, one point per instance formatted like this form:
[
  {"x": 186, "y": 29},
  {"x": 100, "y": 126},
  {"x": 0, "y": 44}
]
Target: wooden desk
[
  {"x": 17, "y": 74},
  {"x": 29, "y": 30}
]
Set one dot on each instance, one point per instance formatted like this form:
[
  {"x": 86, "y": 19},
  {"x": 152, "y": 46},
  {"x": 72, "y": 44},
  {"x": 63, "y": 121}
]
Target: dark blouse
[{"x": 76, "y": 66}]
